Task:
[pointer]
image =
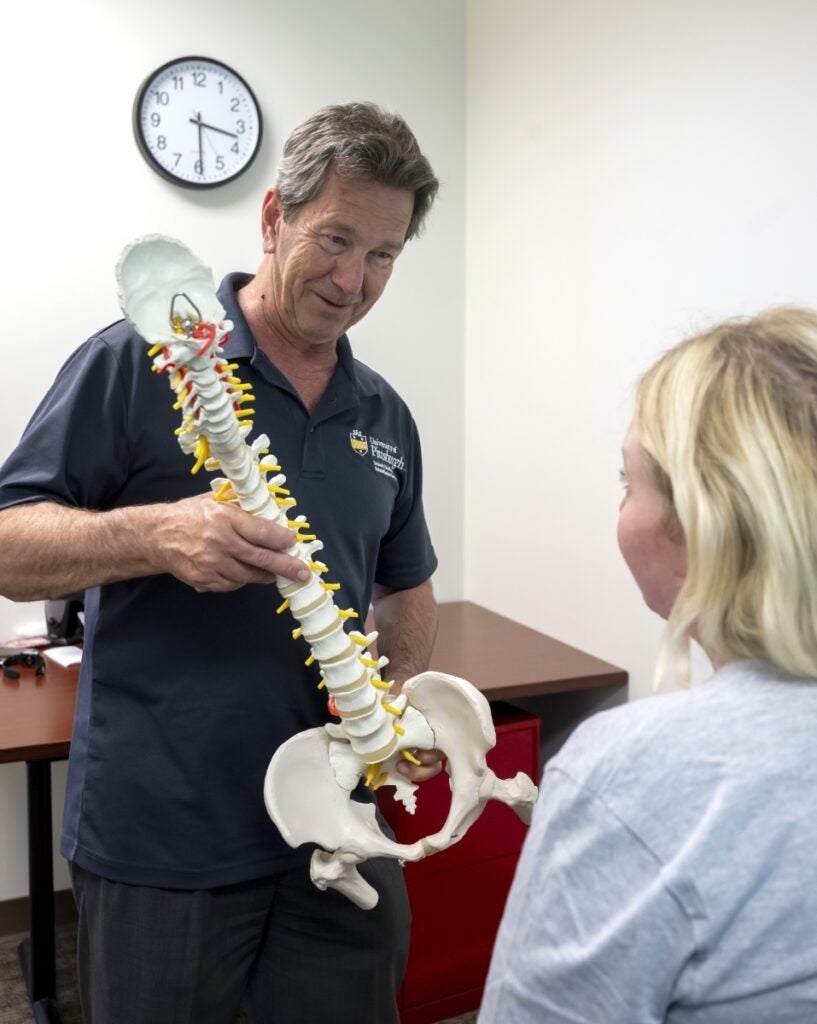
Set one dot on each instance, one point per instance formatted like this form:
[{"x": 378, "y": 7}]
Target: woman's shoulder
[
  {"x": 746, "y": 715},
  {"x": 717, "y": 711}
]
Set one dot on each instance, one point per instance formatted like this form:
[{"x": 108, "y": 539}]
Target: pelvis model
[{"x": 169, "y": 297}]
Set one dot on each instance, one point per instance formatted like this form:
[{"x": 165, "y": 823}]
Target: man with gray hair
[{"x": 190, "y": 902}]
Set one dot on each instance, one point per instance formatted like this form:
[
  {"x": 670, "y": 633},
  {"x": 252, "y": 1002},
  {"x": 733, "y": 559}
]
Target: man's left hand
[{"x": 431, "y": 765}]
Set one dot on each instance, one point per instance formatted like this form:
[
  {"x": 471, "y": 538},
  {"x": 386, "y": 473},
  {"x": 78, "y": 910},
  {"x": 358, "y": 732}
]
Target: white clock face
[{"x": 197, "y": 122}]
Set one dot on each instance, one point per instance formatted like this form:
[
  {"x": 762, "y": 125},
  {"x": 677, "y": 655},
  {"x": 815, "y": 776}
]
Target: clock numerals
[{"x": 197, "y": 122}]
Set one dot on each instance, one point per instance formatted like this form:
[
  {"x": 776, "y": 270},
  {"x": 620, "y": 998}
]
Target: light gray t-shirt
[{"x": 670, "y": 873}]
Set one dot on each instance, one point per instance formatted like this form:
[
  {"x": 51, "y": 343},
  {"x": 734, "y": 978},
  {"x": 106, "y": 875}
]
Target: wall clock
[{"x": 197, "y": 122}]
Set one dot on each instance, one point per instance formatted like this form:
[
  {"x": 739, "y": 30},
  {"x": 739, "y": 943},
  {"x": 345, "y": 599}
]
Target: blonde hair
[{"x": 728, "y": 420}]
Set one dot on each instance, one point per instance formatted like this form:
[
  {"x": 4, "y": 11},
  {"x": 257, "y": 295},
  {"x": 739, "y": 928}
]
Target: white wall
[
  {"x": 76, "y": 191},
  {"x": 635, "y": 170}
]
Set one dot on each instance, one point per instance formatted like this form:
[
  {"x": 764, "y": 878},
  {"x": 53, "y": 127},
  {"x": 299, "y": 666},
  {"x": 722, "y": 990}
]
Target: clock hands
[
  {"x": 201, "y": 154},
  {"x": 197, "y": 121},
  {"x": 203, "y": 124}
]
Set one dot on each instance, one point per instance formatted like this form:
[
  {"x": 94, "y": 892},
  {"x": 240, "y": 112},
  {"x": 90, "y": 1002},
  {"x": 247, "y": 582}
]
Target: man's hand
[
  {"x": 213, "y": 546},
  {"x": 431, "y": 765},
  {"x": 406, "y": 621},
  {"x": 47, "y": 550}
]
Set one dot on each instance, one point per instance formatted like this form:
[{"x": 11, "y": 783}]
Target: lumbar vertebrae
[{"x": 169, "y": 297}]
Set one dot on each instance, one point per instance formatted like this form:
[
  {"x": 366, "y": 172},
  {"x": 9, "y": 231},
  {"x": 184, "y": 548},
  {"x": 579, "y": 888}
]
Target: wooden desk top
[
  {"x": 37, "y": 713},
  {"x": 499, "y": 656},
  {"x": 506, "y": 660}
]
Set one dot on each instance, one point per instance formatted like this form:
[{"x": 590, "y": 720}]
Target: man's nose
[{"x": 348, "y": 272}]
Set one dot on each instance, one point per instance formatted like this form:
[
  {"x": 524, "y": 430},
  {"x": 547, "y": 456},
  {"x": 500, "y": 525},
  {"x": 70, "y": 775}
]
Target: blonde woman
[{"x": 670, "y": 873}]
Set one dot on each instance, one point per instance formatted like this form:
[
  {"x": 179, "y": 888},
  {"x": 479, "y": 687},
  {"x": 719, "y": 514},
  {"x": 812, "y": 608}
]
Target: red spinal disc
[{"x": 333, "y": 708}]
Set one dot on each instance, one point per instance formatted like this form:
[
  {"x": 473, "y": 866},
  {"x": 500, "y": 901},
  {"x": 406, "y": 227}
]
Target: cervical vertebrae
[{"x": 169, "y": 296}]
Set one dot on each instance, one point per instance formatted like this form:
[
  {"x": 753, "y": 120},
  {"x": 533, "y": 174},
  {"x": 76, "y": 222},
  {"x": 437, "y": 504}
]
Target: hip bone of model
[{"x": 169, "y": 296}]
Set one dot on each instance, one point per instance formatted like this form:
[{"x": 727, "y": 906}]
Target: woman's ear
[{"x": 673, "y": 528}]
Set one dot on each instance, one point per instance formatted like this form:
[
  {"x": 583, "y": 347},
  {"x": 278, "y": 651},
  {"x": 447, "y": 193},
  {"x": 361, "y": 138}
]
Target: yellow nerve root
[
  {"x": 225, "y": 492},
  {"x": 407, "y": 754},
  {"x": 371, "y": 771},
  {"x": 201, "y": 452}
]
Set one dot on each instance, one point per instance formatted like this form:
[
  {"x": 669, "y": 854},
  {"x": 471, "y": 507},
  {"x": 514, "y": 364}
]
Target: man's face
[{"x": 329, "y": 265}]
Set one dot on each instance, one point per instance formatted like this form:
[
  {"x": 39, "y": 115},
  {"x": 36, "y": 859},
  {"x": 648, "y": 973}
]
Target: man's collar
[{"x": 241, "y": 343}]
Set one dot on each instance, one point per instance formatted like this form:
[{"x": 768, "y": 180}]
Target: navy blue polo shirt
[{"x": 184, "y": 697}]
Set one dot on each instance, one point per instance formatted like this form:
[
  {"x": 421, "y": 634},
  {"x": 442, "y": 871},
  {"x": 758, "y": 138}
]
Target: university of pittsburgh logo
[{"x": 359, "y": 442}]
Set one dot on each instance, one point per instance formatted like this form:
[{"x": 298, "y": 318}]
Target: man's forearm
[
  {"x": 47, "y": 550},
  {"x": 406, "y": 621}
]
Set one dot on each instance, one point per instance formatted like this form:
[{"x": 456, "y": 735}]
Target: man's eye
[
  {"x": 383, "y": 259},
  {"x": 334, "y": 243}
]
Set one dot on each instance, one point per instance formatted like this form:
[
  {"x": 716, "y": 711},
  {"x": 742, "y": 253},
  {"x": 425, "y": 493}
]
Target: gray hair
[{"x": 359, "y": 141}]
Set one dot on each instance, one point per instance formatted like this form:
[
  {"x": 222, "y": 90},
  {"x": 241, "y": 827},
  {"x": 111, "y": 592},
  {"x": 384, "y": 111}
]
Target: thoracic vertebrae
[{"x": 375, "y": 728}]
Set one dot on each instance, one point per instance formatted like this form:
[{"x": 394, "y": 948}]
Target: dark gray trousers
[{"x": 289, "y": 952}]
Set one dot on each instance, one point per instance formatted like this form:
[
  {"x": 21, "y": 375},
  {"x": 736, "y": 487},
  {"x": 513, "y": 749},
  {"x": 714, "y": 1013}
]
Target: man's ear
[{"x": 271, "y": 218}]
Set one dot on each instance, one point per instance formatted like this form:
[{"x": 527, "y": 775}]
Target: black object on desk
[{"x": 63, "y": 618}]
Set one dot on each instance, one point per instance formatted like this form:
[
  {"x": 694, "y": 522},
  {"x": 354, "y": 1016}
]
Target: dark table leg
[{"x": 38, "y": 954}]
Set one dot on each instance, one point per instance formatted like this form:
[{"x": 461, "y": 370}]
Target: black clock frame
[{"x": 151, "y": 160}]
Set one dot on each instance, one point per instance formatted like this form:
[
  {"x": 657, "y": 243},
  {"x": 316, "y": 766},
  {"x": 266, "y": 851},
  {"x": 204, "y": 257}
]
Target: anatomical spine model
[{"x": 169, "y": 297}]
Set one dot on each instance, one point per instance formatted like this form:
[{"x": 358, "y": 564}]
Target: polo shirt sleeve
[
  {"x": 406, "y": 557},
  {"x": 74, "y": 449},
  {"x": 590, "y": 931}
]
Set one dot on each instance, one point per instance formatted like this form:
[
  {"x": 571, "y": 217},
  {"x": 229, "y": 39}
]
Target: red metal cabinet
[{"x": 457, "y": 896}]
